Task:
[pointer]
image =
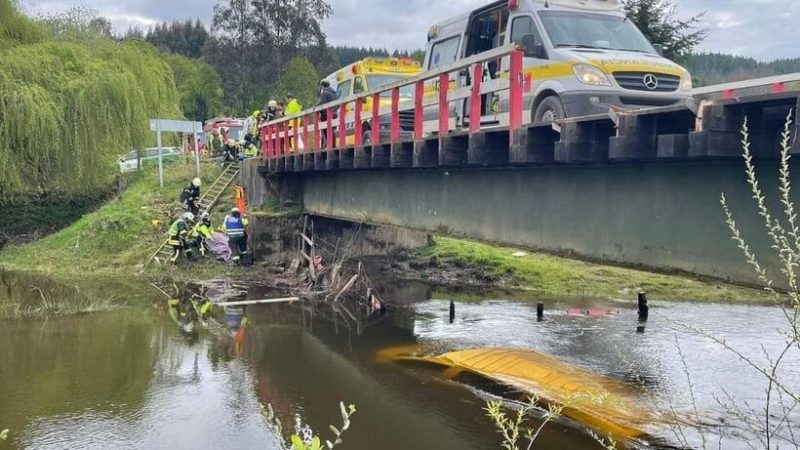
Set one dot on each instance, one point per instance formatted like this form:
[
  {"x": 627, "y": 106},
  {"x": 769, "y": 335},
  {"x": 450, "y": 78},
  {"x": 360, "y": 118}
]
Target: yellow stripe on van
[{"x": 621, "y": 65}]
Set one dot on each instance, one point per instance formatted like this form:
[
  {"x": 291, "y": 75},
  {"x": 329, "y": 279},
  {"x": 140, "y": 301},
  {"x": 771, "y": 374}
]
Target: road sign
[{"x": 175, "y": 126}]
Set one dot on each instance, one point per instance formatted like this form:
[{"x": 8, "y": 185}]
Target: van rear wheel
[{"x": 549, "y": 110}]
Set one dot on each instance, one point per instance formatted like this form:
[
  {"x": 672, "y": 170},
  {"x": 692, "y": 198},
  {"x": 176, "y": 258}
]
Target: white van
[{"x": 583, "y": 56}]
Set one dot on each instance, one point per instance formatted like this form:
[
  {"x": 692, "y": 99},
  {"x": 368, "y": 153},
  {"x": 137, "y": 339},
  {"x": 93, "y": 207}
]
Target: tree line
[{"x": 717, "y": 68}]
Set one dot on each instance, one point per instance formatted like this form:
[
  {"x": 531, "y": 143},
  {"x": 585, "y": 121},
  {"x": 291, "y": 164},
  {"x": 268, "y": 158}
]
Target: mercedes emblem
[{"x": 650, "y": 81}]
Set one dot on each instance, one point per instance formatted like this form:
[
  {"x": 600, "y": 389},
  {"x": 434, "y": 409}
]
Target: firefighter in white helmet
[{"x": 191, "y": 196}]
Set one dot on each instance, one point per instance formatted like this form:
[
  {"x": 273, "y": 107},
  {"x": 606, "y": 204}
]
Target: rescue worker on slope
[
  {"x": 215, "y": 142},
  {"x": 178, "y": 237},
  {"x": 251, "y": 127},
  {"x": 191, "y": 195},
  {"x": 235, "y": 226},
  {"x": 231, "y": 150},
  {"x": 250, "y": 149},
  {"x": 201, "y": 233},
  {"x": 251, "y": 124}
]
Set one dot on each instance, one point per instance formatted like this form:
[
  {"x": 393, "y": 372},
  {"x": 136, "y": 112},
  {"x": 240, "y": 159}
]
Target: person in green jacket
[
  {"x": 293, "y": 107},
  {"x": 215, "y": 142},
  {"x": 201, "y": 232},
  {"x": 178, "y": 234}
]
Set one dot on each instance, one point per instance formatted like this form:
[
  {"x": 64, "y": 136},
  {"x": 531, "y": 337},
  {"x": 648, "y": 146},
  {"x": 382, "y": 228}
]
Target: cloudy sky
[{"x": 764, "y": 29}]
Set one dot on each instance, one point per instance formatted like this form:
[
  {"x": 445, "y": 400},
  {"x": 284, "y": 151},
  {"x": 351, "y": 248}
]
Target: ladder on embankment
[{"x": 207, "y": 201}]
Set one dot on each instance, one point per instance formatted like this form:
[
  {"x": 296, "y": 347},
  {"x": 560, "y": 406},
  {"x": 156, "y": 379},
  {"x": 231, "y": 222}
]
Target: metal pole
[
  {"x": 160, "y": 155},
  {"x": 196, "y": 149}
]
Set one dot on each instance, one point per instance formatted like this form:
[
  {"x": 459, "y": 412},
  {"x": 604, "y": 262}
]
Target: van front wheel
[{"x": 549, "y": 110}]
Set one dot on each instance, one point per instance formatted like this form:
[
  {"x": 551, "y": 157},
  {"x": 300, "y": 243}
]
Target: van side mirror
[
  {"x": 534, "y": 47},
  {"x": 659, "y": 49}
]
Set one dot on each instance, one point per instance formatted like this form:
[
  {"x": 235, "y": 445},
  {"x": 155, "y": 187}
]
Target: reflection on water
[{"x": 131, "y": 379}]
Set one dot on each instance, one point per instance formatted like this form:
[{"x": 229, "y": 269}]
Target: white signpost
[{"x": 175, "y": 126}]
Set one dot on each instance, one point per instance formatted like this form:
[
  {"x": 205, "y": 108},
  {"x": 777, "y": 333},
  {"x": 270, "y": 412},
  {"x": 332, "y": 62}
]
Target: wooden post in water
[
  {"x": 452, "y": 311},
  {"x": 539, "y": 312},
  {"x": 644, "y": 310}
]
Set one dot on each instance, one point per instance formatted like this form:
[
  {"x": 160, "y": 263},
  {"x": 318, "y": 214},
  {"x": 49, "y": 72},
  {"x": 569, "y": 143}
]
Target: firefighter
[
  {"x": 235, "y": 226},
  {"x": 251, "y": 125},
  {"x": 271, "y": 111},
  {"x": 178, "y": 234},
  {"x": 250, "y": 149},
  {"x": 201, "y": 233},
  {"x": 231, "y": 150},
  {"x": 215, "y": 142},
  {"x": 191, "y": 195}
]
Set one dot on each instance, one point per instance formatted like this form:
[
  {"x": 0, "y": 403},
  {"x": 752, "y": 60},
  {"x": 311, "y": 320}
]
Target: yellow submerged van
[
  {"x": 584, "y": 56},
  {"x": 374, "y": 73}
]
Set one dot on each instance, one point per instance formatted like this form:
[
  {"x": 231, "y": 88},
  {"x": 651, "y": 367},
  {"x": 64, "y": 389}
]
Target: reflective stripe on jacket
[
  {"x": 177, "y": 228},
  {"x": 234, "y": 226},
  {"x": 203, "y": 230}
]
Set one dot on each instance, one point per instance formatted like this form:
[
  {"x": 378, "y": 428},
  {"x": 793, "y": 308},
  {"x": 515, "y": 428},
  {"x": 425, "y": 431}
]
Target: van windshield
[
  {"x": 587, "y": 30},
  {"x": 379, "y": 81}
]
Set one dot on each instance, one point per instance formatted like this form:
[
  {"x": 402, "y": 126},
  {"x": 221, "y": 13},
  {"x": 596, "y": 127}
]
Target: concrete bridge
[{"x": 638, "y": 188}]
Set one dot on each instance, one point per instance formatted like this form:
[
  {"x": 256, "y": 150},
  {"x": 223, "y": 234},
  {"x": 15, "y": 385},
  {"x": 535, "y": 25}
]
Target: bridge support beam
[
  {"x": 534, "y": 145},
  {"x": 489, "y": 148},
  {"x": 661, "y": 216},
  {"x": 426, "y": 152},
  {"x": 402, "y": 155}
]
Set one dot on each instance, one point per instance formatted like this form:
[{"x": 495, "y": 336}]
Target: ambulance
[
  {"x": 584, "y": 57},
  {"x": 370, "y": 74}
]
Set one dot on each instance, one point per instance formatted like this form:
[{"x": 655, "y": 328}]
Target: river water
[{"x": 131, "y": 379}]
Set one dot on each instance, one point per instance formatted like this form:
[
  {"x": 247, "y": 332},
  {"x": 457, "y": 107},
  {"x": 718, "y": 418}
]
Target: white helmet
[
  {"x": 272, "y": 104},
  {"x": 236, "y": 211},
  {"x": 197, "y": 182},
  {"x": 189, "y": 217}
]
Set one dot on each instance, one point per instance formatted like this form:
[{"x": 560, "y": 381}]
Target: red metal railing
[{"x": 283, "y": 137}]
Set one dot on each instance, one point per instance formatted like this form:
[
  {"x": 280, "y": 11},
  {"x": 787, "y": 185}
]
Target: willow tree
[{"x": 68, "y": 108}]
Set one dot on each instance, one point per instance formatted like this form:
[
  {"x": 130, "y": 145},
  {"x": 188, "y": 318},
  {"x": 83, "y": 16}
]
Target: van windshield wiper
[
  {"x": 579, "y": 46},
  {"x": 631, "y": 50}
]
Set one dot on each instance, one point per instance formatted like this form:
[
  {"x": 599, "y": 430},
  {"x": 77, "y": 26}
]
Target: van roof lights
[{"x": 433, "y": 33}]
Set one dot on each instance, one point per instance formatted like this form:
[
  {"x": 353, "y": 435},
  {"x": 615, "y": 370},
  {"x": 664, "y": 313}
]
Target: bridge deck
[{"x": 669, "y": 133}]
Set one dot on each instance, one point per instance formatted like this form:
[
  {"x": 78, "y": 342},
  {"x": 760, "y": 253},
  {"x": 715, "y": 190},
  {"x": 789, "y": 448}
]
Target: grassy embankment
[
  {"x": 117, "y": 239},
  {"x": 550, "y": 275}
]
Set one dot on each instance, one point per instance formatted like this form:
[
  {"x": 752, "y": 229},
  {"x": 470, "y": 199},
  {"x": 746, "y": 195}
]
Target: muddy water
[{"x": 132, "y": 379}]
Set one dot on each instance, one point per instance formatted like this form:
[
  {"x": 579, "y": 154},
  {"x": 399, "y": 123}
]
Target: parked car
[{"x": 131, "y": 160}]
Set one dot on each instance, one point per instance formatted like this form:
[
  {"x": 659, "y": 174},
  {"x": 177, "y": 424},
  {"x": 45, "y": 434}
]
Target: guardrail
[
  {"x": 303, "y": 133},
  {"x": 775, "y": 85}
]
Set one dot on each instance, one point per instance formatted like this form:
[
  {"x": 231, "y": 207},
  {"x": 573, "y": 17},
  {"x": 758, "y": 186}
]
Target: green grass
[
  {"x": 554, "y": 276},
  {"x": 117, "y": 238}
]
